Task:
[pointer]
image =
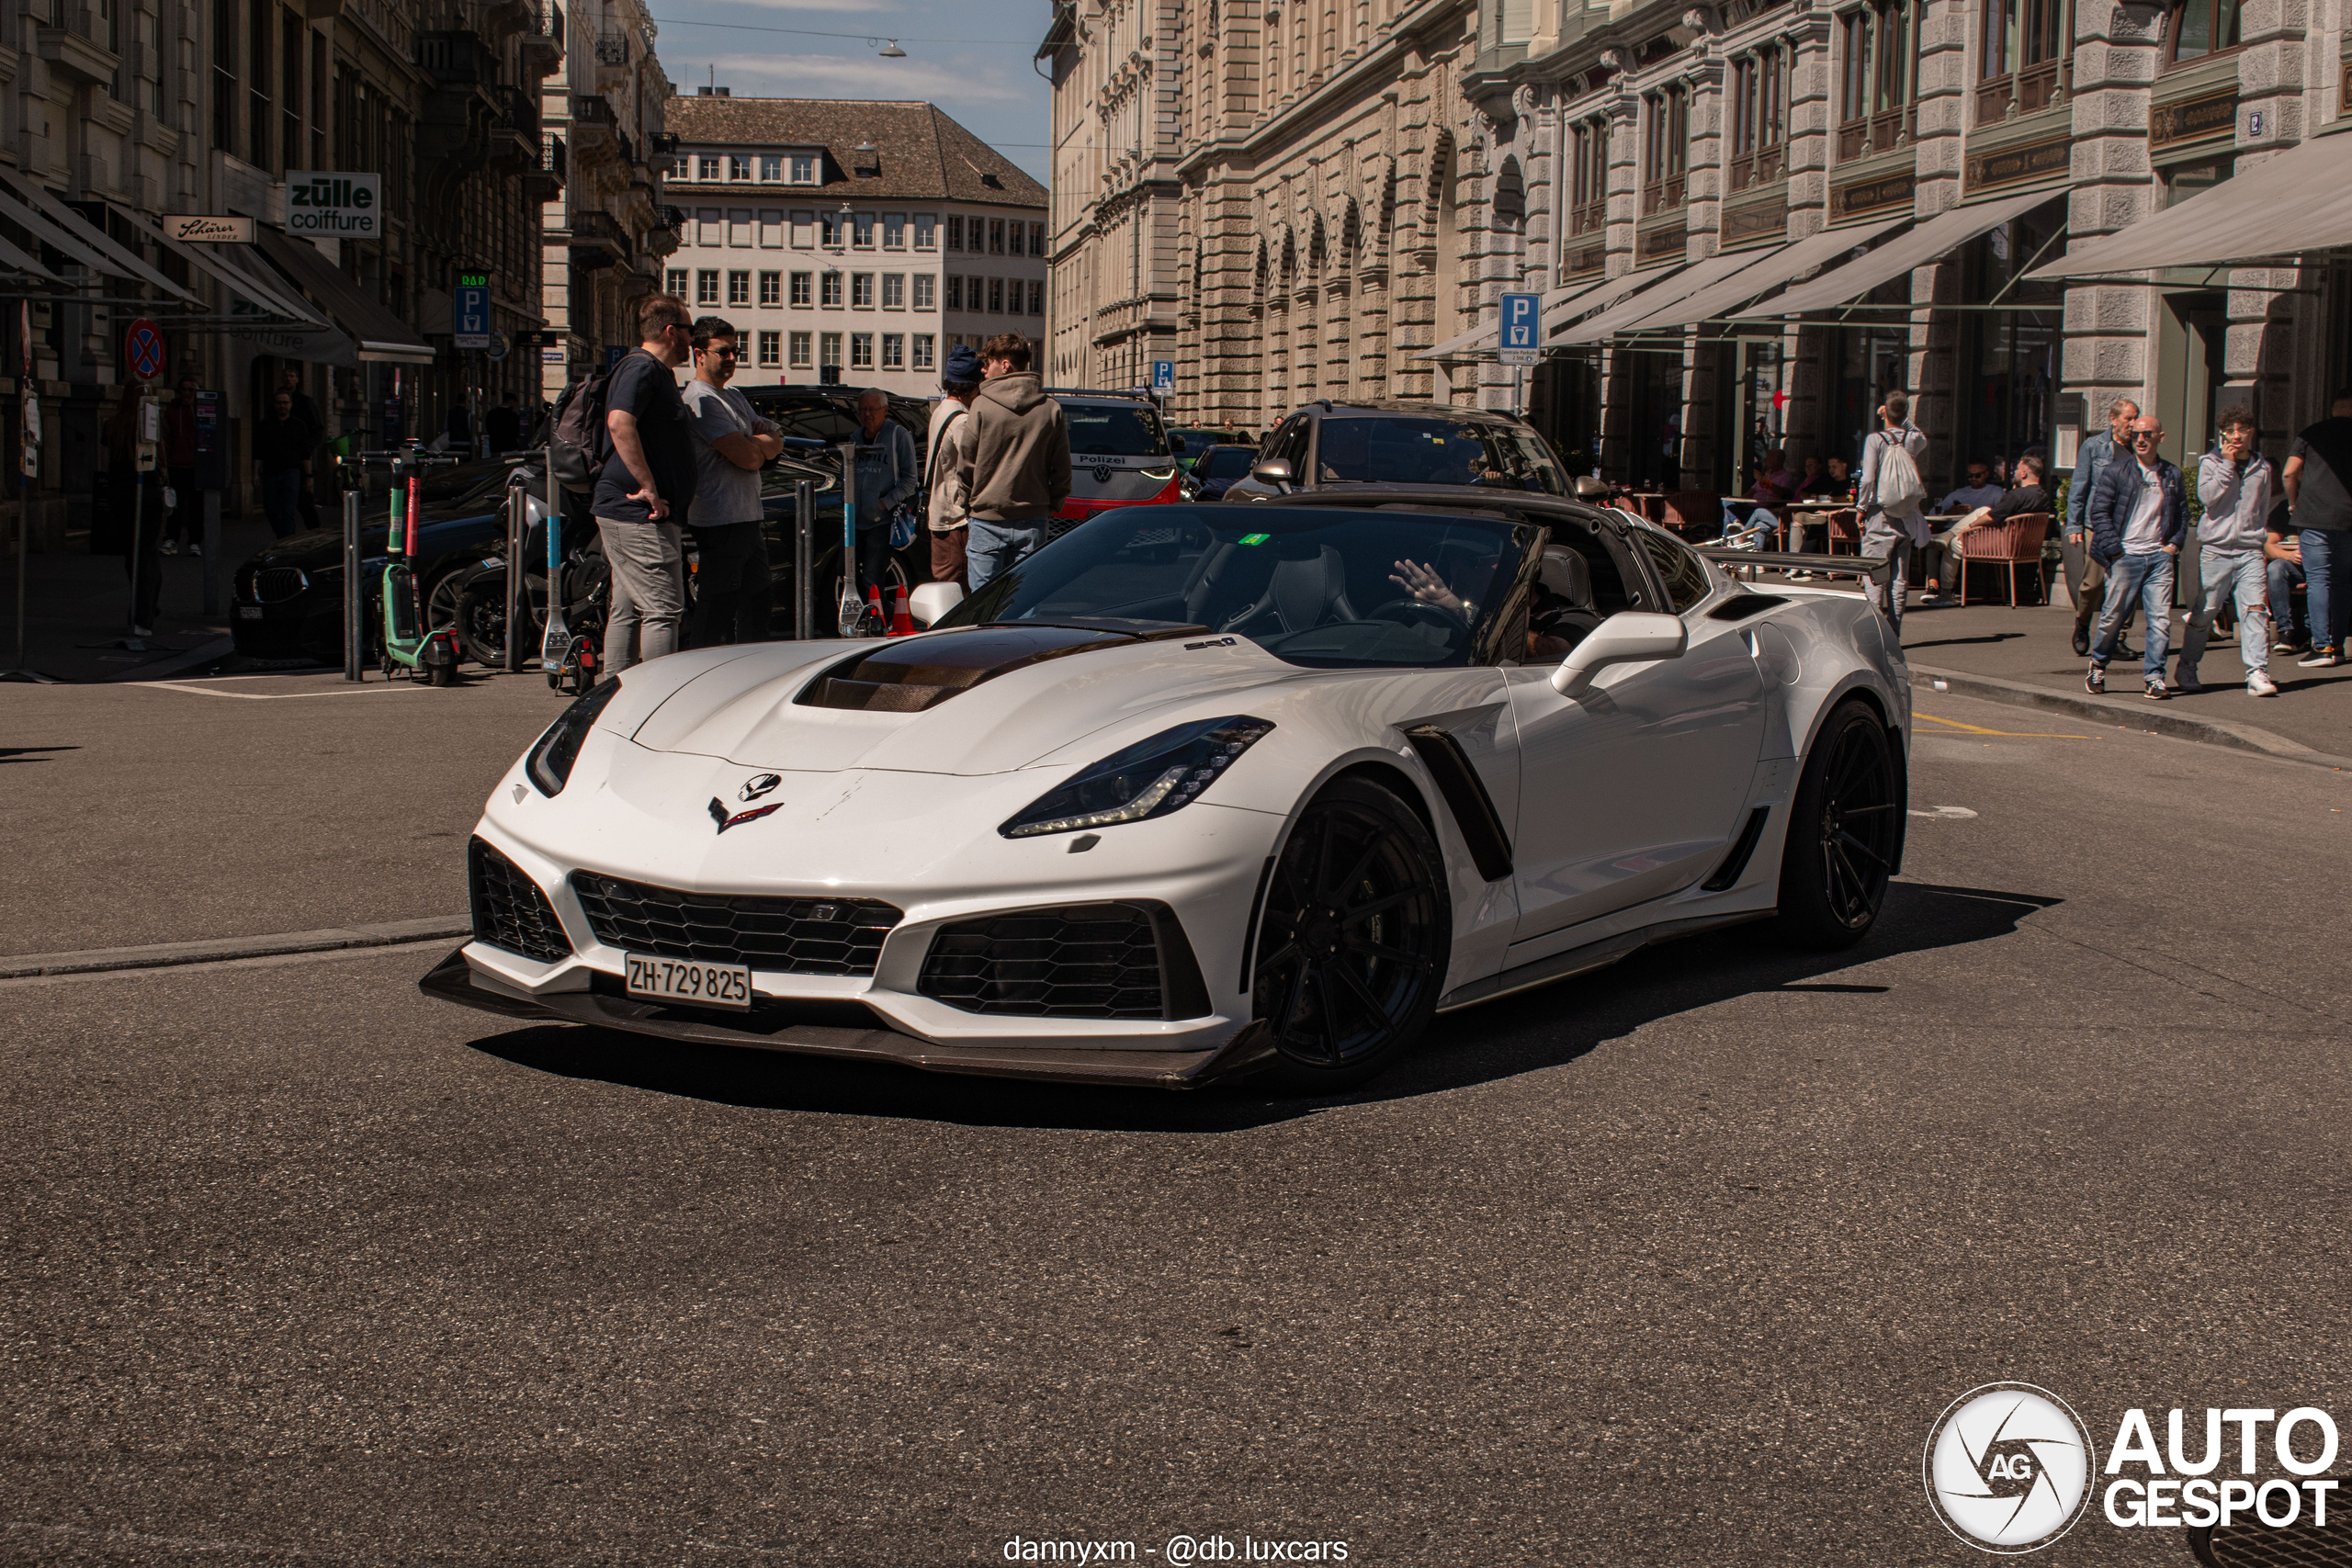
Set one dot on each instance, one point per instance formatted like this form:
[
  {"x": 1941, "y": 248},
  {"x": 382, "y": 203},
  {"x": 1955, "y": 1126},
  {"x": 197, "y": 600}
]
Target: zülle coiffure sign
[{"x": 328, "y": 205}]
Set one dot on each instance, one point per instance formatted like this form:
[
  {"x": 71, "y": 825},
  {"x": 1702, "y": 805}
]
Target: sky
[{"x": 970, "y": 57}]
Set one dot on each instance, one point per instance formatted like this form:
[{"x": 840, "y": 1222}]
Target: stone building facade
[{"x": 1312, "y": 199}]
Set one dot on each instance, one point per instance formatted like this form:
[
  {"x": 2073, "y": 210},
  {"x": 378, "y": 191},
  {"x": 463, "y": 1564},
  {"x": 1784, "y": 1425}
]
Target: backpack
[
  {"x": 582, "y": 446},
  {"x": 1900, "y": 487}
]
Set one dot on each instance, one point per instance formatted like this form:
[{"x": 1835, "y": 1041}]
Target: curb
[
  {"x": 165, "y": 956},
  {"x": 2180, "y": 726}
]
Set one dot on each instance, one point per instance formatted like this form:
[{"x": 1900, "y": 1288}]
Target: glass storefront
[{"x": 2009, "y": 356}]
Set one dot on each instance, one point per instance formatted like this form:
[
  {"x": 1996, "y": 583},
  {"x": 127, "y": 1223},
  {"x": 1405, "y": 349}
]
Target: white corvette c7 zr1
[{"x": 1200, "y": 791}]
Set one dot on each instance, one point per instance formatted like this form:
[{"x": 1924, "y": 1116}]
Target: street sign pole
[
  {"x": 804, "y": 566},
  {"x": 518, "y": 533},
  {"x": 352, "y": 600}
]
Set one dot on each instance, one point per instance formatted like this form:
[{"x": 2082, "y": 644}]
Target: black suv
[{"x": 1328, "y": 443}]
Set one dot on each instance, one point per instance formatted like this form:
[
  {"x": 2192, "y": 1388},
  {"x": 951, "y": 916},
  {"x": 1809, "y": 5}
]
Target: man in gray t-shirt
[{"x": 732, "y": 582}]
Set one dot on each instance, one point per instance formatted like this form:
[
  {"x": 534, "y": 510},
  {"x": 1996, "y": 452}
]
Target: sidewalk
[
  {"x": 2027, "y": 655},
  {"x": 78, "y": 609}
]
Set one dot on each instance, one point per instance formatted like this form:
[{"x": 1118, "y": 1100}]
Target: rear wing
[{"x": 1875, "y": 569}]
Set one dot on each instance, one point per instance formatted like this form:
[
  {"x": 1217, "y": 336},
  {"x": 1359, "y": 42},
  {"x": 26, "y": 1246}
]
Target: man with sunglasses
[
  {"x": 733, "y": 582},
  {"x": 2138, "y": 512},
  {"x": 647, "y": 484}
]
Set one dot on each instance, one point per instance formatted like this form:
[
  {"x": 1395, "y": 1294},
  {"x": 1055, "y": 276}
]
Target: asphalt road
[{"x": 1675, "y": 1265}]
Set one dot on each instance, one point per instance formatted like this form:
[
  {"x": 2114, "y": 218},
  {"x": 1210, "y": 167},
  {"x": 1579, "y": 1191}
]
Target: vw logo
[
  {"x": 760, "y": 784},
  {"x": 1102, "y": 472},
  {"x": 2008, "y": 1467}
]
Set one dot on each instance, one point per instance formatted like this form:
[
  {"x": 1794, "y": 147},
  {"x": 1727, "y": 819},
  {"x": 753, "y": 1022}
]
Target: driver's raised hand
[{"x": 1426, "y": 585}]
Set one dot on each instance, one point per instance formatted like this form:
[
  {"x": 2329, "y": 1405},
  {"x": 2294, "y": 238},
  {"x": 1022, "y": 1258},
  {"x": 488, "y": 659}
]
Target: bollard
[
  {"x": 352, "y": 641},
  {"x": 804, "y": 566},
  {"x": 518, "y": 532}
]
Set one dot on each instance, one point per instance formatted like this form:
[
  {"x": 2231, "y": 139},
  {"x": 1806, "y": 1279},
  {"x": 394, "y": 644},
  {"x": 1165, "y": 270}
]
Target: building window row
[
  {"x": 773, "y": 167},
  {"x": 995, "y": 236},
  {"x": 998, "y": 296},
  {"x": 899, "y": 291}
]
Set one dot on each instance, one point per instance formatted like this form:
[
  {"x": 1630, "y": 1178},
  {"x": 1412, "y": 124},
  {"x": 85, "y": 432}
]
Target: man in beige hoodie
[{"x": 1015, "y": 462}]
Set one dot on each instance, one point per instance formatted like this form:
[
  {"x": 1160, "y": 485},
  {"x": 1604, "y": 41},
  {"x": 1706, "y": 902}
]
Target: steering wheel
[{"x": 1421, "y": 611}]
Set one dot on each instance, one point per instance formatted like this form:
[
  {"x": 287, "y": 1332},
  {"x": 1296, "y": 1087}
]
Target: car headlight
[
  {"x": 1151, "y": 778},
  {"x": 549, "y": 763}
]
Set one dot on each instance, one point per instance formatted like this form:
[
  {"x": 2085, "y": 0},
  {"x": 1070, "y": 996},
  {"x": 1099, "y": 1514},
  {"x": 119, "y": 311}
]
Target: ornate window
[
  {"x": 2199, "y": 28},
  {"x": 2029, "y": 46},
  {"x": 1879, "y": 44},
  {"x": 1588, "y": 177},
  {"x": 1760, "y": 117},
  {"x": 1666, "y": 148}
]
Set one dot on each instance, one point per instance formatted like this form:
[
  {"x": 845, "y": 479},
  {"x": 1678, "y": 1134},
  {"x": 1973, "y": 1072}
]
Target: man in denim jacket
[
  {"x": 2138, "y": 510},
  {"x": 2097, "y": 454}
]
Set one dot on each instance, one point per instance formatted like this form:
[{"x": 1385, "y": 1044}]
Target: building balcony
[
  {"x": 595, "y": 133},
  {"x": 543, "y": 183},
  {"x": 598, "y": 240},
  {"x": 543, "y": 44},
  {"x": 614, "y": 51},
  {"x": 81, "y": 47}
]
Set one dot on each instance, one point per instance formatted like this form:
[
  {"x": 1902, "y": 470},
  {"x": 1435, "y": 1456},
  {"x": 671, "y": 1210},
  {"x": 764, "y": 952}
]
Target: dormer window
[{"x": 804, "y": 170}]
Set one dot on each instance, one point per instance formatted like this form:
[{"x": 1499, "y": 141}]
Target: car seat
[
  {"x": 1308, "y": 587},
  {"x": 1566, "y": 578}
]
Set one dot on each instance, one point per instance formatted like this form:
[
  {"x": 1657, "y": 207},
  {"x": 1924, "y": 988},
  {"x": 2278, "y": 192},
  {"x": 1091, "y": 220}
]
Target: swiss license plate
[
  {"x": 249, "y": 612},
  {"x": 685, "y": 980}
]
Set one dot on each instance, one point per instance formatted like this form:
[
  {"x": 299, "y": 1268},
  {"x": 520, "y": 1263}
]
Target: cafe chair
[{"x": 2014, "y": 542}]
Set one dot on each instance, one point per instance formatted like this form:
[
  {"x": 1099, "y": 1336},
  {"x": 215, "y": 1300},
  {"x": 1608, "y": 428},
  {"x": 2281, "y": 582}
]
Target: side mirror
[
  {"x": 1272, "y": 471},
  {"x": 1630, "y": 637},
  {"x": 1591, "y": 488},
  {"x": 933, "y": 600}
]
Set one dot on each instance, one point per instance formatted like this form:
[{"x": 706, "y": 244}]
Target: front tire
[
  {"x": 1845, "y": 828},
  {"x": 1354, "y": 939}
]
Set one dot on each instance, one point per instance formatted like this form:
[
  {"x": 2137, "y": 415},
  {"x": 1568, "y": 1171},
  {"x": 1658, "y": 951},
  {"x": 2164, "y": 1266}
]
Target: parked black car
[{"x": 1335, "y": 442}]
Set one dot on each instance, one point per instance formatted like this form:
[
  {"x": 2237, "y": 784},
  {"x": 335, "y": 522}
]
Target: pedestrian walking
[
  {"x": 282, "y": 448},
  {"x": 2137, "y": 516},
  {"x": 2234, "y": 482},
  {"x": 2087, "y": 576},
  {"x": 306, "y": 409},
  {"x": 504, "y": 424},
  {"x": 2318, "y": 481},
  {"x": 1015, "y": 472},
  {"x": 887, "y": 479},
  {"x": 645, "y": 486},
  {"x": 186, "y": 526},
  {"x": 951, "y": 421},
  {"x": 734, "y": 588},
  {"x": 1892, "y": 495}
]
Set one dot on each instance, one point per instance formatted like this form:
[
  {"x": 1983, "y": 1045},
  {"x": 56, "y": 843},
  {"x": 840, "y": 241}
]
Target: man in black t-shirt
[
  {"x": 646, "y": 487},
  {"x": 2318, "y": 477}
]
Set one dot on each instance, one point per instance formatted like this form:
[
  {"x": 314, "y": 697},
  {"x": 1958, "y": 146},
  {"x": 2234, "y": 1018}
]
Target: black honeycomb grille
[
  {"x": 509, "y": 909},
  {"x": 790, "y": 936},
  {"x": 1079, "y": 961},
  {"x": 2302, "y": 1544}
]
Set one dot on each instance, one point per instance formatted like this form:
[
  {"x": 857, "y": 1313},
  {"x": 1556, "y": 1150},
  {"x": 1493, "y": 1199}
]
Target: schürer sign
[{"x": 330, "y": 206}]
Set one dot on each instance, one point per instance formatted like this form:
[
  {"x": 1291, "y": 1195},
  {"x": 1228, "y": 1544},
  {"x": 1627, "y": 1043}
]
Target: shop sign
[
  {"x": 1756, "y": 220},
  {"x": 2014, "y": 165},
  {"x": 1865, "y": 196},
  {"x": 1584, "y": 262},
  {"x": 326, "y": 205},
  {"x": 209, "y": 228},
  {"x": 2194, "y": 120},
  {"x": 1663, "y": 243}
]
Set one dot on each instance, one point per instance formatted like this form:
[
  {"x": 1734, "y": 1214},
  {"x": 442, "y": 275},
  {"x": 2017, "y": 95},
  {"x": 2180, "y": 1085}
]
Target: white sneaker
[
  {"x": 2260, "y": 685},
  {"x": 169, "y": 548}
]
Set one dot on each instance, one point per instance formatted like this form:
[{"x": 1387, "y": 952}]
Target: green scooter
[{"x": 432, "y": 655}]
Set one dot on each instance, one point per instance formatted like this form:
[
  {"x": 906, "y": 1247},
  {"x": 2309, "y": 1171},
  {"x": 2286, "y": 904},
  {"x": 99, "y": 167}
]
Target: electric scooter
[{"x": 431, "y": 655}]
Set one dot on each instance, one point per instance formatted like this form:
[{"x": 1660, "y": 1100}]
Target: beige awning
[
  {"x": 1775, "y": 267},
  {"x": 2299, "y": 201},
  {"x": 69, "y": 231},
  {"x": 382, "y": 338},
  {"x": 1655, "y": 300},
  {"x": 1921, "y": 245}
]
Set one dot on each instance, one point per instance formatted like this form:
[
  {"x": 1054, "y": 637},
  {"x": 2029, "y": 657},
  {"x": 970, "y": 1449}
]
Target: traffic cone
[
  {"x": 875, "y": 619},
  {"x": 902, "y": 623}
]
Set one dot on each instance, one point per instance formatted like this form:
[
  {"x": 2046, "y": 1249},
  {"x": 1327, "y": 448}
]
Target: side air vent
[{"x": 509, "y": 910}]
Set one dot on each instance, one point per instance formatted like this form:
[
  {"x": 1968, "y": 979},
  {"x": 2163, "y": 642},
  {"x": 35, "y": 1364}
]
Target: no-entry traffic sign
[{"x": 142, "y": 349}]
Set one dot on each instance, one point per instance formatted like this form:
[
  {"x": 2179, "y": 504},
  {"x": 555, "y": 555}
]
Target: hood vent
[{"x": 918, "y": 673}]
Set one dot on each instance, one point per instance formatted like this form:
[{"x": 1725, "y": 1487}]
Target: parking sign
[
  {"x": 1163, "y": 374},
  {"x": 469, "y": 310},
  {"x": 1522, "y": 341}
]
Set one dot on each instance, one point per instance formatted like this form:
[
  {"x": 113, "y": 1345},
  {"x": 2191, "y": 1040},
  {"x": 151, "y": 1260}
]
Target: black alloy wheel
[
  {"x": 441, "y": 601},
  {"x": 1353, "y": 940},
  {"x": 1845, "y": 833},
  {"x": 482, "y": 621}
]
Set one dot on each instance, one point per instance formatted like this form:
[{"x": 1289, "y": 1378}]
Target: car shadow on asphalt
[{"x": 1547, "y": 1026}]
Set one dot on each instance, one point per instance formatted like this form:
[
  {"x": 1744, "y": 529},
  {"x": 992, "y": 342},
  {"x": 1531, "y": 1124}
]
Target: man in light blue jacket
[{"x": 2235, "y": 484}]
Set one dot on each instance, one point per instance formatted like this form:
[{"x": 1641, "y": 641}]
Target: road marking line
[
  {"x": 2012, "y": 734},
  {"x": 261, "y": 697}
]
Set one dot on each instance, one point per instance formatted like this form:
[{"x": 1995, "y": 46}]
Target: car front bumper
[{"x": 454, "y": 979}]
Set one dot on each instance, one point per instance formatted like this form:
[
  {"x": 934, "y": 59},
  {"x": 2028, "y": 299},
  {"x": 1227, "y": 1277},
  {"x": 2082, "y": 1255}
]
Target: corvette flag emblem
[{"x": 718, "y": 814}]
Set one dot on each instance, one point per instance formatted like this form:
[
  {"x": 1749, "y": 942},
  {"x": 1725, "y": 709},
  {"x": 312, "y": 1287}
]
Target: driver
[{"x": 1421, "y": 580}]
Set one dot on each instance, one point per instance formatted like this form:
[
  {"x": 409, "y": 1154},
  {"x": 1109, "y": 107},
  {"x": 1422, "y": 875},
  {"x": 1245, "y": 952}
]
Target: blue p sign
[
  {"x": 1522, "y": 339},
  {"x": 1163, "y": 374}
]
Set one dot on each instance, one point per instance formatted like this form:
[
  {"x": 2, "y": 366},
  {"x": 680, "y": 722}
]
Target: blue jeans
[
  {"x": 2220, "y": 578},
  {"x": 2284, "y": 575},
  {"x": 281, "y": 500},
  {"x": 2144, "y": 581},
  {"x": 1000, "y": 546},
  {"x": 2327, "y": 585}
]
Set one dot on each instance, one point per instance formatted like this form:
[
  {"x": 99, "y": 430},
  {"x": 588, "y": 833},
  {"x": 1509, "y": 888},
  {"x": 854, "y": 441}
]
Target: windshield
[
  {"x": 1313, "y": 586},
  {"x": 1227, "y": 462},
  {"x": 1115, "y": 429},
  {"x": 462, "y": 482},
  {"x": 1432, "y": 451}
]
